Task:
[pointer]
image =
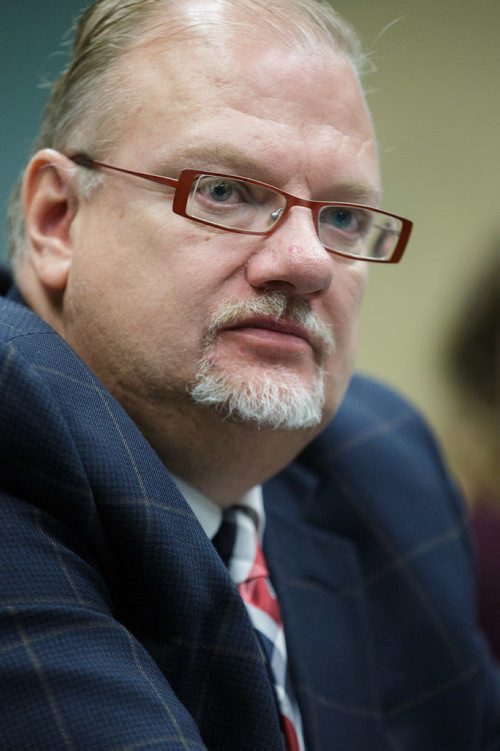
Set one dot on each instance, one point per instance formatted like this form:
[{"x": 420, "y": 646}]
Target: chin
[{"x": 277, "y": 399}]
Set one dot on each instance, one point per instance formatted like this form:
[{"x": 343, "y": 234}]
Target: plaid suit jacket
[{"x": 120, "y": 627}]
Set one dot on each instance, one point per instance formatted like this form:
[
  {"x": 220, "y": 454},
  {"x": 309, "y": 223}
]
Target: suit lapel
[
  {"x": 185, "y": 609},
  {"x": 319, "y": 583}
]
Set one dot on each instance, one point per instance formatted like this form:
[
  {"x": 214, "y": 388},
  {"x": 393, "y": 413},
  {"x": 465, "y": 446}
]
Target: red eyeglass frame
[{"x": 184, "y": 183}]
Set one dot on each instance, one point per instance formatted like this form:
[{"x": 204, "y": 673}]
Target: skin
[{"x": 131, "y": 286}]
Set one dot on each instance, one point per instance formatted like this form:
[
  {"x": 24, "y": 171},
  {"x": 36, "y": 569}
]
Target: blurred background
[{"x": 435, "y": 96}]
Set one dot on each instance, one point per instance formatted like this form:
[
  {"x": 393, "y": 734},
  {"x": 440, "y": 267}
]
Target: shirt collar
[{"x": 209, "y": 514}]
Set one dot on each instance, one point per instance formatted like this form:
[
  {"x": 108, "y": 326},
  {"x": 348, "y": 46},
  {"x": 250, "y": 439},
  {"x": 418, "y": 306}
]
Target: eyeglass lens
[{"x": 234, "y": 204}]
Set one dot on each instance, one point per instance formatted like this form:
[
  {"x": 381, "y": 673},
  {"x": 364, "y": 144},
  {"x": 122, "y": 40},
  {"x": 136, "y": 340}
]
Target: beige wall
[{"x": 436, "y": 103}]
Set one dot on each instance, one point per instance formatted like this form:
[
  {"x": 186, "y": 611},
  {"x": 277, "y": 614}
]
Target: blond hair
[{"x": 83, "y": 109}]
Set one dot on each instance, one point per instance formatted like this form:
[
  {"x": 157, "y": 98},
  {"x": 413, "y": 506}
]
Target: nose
[{"x": 292, "y": 259}]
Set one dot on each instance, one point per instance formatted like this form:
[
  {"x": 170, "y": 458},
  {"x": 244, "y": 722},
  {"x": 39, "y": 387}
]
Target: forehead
[{"x": 281, "y": 105}]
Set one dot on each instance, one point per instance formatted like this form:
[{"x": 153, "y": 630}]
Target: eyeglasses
[{"x": 251, "y": 207}]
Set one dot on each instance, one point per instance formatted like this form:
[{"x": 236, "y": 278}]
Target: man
[{"x": 196, "y": 229}]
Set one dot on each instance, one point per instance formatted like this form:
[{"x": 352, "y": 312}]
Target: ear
[{"x": 50, "y": 201}]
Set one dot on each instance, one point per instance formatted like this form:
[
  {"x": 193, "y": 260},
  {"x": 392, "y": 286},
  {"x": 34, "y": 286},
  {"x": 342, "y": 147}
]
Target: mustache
[{"x": 279, "y": 307}]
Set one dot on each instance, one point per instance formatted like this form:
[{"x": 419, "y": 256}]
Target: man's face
[{"x": 145, "y": 284}]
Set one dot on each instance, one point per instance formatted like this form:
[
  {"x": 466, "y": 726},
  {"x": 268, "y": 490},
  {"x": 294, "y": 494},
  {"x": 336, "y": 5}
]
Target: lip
[{"x": 281, "y": 326}]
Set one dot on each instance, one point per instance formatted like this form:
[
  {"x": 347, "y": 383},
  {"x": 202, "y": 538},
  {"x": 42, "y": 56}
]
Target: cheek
[
  {"x": 345, "y": 300},
  {"x": 344, "y": 309}
]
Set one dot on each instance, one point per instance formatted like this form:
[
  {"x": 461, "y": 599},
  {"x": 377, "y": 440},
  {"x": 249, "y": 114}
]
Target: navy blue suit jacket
[{"x": 120, "y": 627}]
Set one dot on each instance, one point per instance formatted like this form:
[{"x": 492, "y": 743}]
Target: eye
[
  {"x": 344, "y": 219},
  {"x": 220, "y": 190}
]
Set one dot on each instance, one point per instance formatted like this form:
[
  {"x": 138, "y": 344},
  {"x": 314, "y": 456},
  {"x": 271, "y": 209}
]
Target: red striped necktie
[{"x": 238, "y": 544}]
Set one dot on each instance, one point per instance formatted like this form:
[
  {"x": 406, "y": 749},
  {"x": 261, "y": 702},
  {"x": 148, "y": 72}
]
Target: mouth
[
  {"x": 281, "y": 326},
  {"x": 273, "y": 326},
  {"x": 281, "y": 333}
]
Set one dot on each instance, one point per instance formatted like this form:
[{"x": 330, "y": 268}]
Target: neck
[{"x": 222, "y": 458}]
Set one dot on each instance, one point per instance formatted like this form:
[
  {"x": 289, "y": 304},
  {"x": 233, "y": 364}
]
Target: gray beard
[{"x": 275, "y": 399}]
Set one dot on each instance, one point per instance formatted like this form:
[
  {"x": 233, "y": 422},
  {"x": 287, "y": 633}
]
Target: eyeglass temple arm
[{"x": 83, "y": 160}]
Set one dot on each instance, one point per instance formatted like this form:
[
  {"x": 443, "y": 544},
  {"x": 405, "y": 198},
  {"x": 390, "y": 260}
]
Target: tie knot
[{"x": 238, "y": 544}]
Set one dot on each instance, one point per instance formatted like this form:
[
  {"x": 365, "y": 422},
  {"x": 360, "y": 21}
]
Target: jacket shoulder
[
  {"x": 16, "y": 320},
  {"x": 382, "y": 458},
  {"x": 375, "y": 417}
]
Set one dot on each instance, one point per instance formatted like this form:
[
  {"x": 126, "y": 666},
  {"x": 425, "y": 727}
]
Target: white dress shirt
[{"x": 209, "y": 514}]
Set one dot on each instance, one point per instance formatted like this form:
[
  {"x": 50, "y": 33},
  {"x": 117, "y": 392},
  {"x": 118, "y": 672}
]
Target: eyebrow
[{"x": 218, "y": 158}]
